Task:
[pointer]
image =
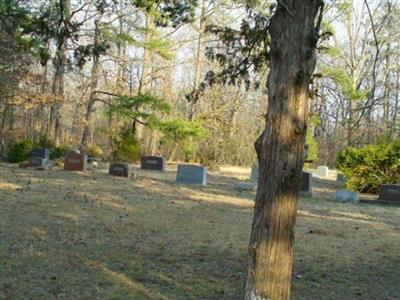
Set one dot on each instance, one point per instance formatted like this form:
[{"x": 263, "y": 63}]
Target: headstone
[
  {"x": 153, "y": 163},
  {"x": 322, "y": 171},
  {"x": 346, "y": 196},
  {"x": 340, "y": 178},
  {"x": 192, "y": 174},
  {"x": 389, "y": 193},
  {"x": 120, "y": 169},
  {"x": 306, "y": 184},
  {"x": 75, "y": 161},
  {"x": 36, "y": 162},
  {"x": 254, "y": 174},
  {"x": 41, "y": 152}
]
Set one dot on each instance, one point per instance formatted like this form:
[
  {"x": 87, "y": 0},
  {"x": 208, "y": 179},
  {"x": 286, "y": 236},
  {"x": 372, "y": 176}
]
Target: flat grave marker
[
  {"x": 153, "y": 163},
  {"x": 346, "y": 196},
  {"x": 75, "y": 161},
  {"x": 191, "y": 174},
  {"x": 323, "y": 171},
  {"x": 120, "y": 169},
  {"x": 389, "y": 193}
]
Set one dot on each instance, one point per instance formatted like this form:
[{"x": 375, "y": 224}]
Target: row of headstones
[
  {"x": 388, "y": 193},
  {"x": 191, "y": 174},
  {"x": 75, "y": 161},
  {"x": 305, "y": 184}
]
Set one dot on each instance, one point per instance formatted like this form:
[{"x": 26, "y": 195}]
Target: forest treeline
[{"x": 186, "y": 79}]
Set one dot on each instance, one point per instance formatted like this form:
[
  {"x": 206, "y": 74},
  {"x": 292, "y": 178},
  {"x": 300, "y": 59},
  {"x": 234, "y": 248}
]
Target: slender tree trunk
[
  {"x": 386, "y": 91},
  {"x": 60, "y": 64},
  {"x": 393, "y": 128},
  {"x": 87, "y": 135},
  {"x": 198, "y": 65},
  {"x": 280, "y": 148},
  {"x": 145, "y": 78}
]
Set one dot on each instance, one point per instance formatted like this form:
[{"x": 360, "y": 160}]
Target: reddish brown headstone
[{"x": 75, "y": 162}]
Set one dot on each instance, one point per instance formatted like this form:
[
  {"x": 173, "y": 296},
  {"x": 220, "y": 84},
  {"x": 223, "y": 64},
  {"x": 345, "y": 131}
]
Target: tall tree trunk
[
  {"x": 393, "y": 129},
  {"x": 60, "y": 64},
  {"x": 386, "y": 91},
  {"x": 87, "y": 135},
  {"x": 198, "y": 66},
  {"x": 280, "y": 149},
  {"x": 145, "y": 78}
]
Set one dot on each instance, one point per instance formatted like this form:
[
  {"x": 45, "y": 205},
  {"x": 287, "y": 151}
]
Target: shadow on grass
[{"x": 94, "y": 236}]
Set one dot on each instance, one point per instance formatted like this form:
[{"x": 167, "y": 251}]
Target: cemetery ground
[{"x": 66, "y": 235}]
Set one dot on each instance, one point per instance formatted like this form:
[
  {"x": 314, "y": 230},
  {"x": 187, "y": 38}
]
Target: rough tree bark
[
  {"x": 59, "y": 72},
  {"x": 87, "y": 135},
  {"x": 294, "y": 32}
]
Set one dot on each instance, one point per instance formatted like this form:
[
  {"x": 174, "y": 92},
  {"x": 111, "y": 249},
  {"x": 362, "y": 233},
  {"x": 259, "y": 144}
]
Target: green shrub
[
  {"x": 92, "y": 151},
  {"x": 45, "y": 142},
  {"x": 368, "y": 167},
  {"x": 20, "y": 151},
  {"x": 127, "y": 148},
  {"x": 58, "y": 152}
]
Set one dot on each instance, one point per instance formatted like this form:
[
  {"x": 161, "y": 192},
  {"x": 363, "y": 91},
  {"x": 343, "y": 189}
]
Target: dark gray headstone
[
  {"x": 340, "y": 178},
  {"x": 41, "y": 152},
  {"x": 346, "y": 196},
  {"x": 389, "y": 193},
  {"x": 36, "y": 162},
  {"x": 192, "y": 174},
  {"x": 120, "y": 169},
  {"x": 153, "y": 163},
  {"x": 254, "y": 174},
  {"x": 306, "y": 184}
]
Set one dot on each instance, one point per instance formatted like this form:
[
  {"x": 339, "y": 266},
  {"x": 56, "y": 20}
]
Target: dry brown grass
[{"x": 91, "y": 236}]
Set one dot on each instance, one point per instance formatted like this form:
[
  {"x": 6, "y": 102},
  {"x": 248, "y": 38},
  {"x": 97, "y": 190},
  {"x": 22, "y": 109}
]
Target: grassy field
[{"x": 90, "y": 236}]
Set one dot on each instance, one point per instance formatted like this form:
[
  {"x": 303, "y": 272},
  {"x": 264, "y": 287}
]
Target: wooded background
[{"x": 187, "y": 79}]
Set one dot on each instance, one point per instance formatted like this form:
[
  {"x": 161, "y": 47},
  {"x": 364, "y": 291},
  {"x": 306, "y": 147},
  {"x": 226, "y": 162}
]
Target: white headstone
[{"x": 323, "y": 171}]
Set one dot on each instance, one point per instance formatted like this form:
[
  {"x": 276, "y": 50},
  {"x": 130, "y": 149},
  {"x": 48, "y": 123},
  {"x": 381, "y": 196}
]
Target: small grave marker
[
  {"x": 254, "y": 174},
  {"x": 346, "y": 196},
  {"x": 153, "y": 163},
  {"x": 323, "y": 171},
  {"x": 306, "y": 184},
  {"x": 389, "y": 193},
  {"x": 75, "y": 161},
  {"x": 192, "y": 174},
  {"x": 120, "y": 169}
]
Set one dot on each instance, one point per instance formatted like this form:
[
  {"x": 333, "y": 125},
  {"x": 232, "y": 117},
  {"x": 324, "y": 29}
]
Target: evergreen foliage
[
  {"x": 127, "y": 148},
  {"x": 20, "y": 151},
  {"x": 141, "y": 106},
  {"x": 183, "y": 133},
  {"x": 370, "y": 166}
]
